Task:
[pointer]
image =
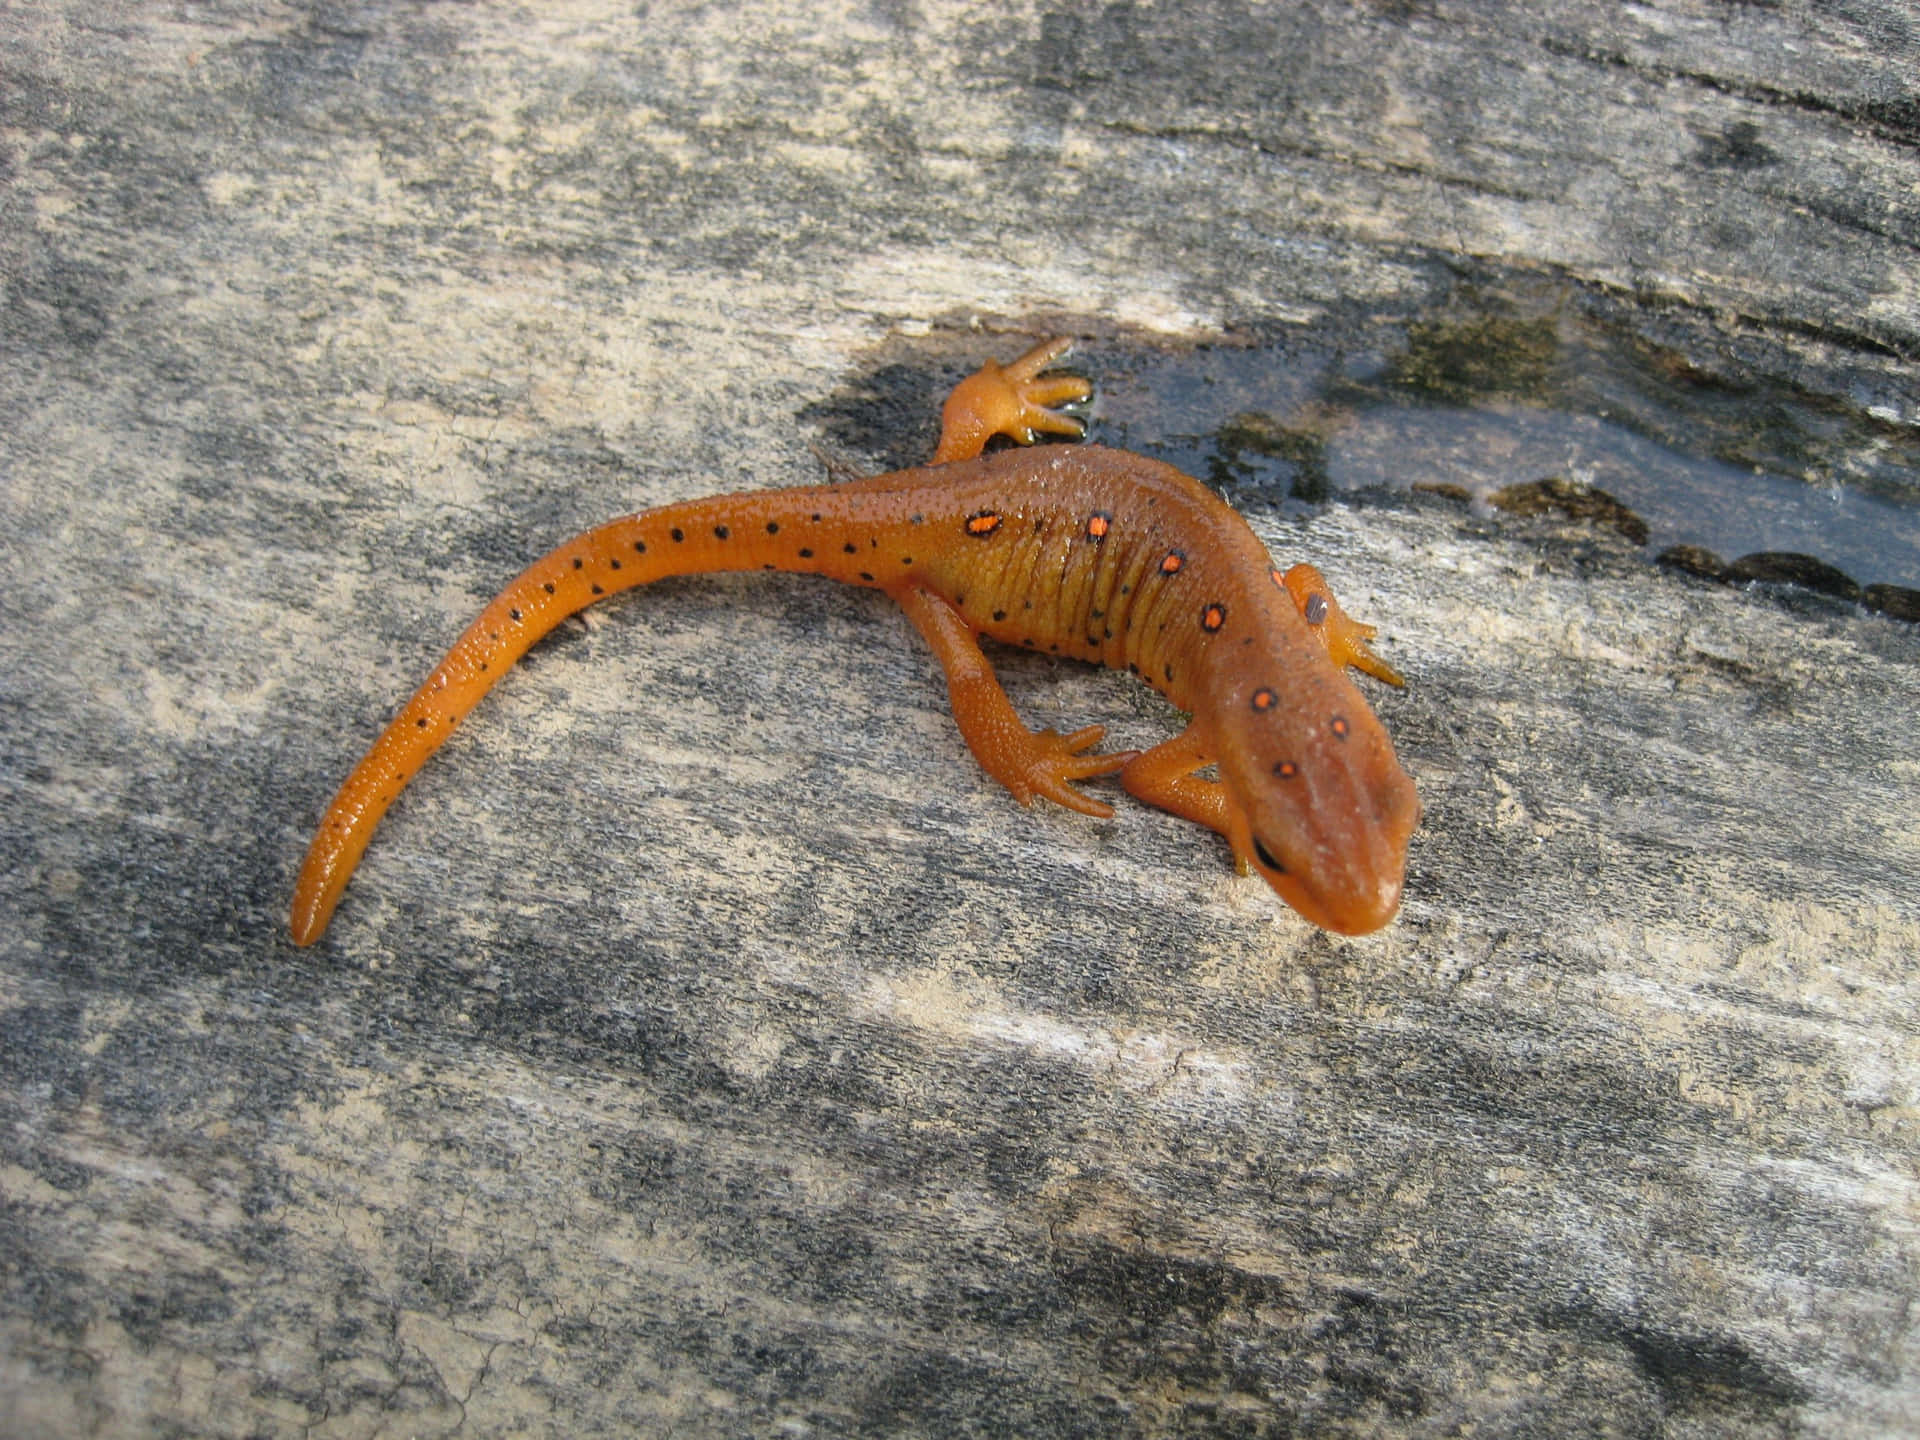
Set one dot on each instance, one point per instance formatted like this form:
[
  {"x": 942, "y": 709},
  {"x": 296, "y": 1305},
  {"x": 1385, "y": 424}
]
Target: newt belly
[{"x": 1077, "y": 550}]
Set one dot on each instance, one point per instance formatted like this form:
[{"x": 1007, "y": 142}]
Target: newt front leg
[
  {"x": 1165, "y": 777},
  {"x": 1345, "y": 638}
]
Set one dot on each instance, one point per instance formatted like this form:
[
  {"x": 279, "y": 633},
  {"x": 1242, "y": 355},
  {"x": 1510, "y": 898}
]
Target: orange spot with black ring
[{"x": 983, "y": 523}]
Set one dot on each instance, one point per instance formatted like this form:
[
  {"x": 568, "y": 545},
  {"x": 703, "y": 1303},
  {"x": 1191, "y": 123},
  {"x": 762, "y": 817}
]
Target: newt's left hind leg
[{"x": 1015, "y": 400}]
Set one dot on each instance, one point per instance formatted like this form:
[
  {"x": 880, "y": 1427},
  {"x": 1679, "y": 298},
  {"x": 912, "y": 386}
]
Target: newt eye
[{"x": 1265, "y": 857}]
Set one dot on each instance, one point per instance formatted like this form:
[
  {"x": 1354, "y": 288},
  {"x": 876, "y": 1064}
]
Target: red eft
[{"x": 1074, "y": 549}]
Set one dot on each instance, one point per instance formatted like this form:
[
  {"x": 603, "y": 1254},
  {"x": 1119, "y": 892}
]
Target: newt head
[{"x": 1318, "y": 804}]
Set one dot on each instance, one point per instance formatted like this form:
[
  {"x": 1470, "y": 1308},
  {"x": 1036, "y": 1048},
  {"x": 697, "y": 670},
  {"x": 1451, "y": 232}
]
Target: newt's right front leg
[{"x": 1164, "y": 777}]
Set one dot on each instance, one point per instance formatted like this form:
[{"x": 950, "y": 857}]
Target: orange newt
[{"x": 1074, "y": 549}]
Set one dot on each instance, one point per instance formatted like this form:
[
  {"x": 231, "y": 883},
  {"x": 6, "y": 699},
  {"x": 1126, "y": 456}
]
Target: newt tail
[{"x": 735, "y": 532}]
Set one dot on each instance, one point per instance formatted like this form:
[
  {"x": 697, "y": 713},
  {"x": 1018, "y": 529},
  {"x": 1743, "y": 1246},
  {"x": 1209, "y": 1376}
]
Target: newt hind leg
[
  {"x": 1027, "y": 762},
  {"x": 1018, "y": 400}
]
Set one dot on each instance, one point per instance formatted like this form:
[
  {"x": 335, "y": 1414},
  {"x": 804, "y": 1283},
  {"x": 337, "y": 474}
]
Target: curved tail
[{"x": 737, "y": 532}]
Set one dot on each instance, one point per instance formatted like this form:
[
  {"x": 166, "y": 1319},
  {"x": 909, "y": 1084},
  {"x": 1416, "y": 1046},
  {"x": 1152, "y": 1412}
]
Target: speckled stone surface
[{"x": 706, "y": 1047}]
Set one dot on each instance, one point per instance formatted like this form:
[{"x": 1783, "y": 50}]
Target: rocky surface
[{"x": 707, "y": 1047}]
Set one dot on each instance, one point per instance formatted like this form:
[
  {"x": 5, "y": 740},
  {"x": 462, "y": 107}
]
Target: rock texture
[{"x": 707, "y": 1047}]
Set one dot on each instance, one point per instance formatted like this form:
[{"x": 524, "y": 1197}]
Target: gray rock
[{"x": 707, "y": 1047}]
